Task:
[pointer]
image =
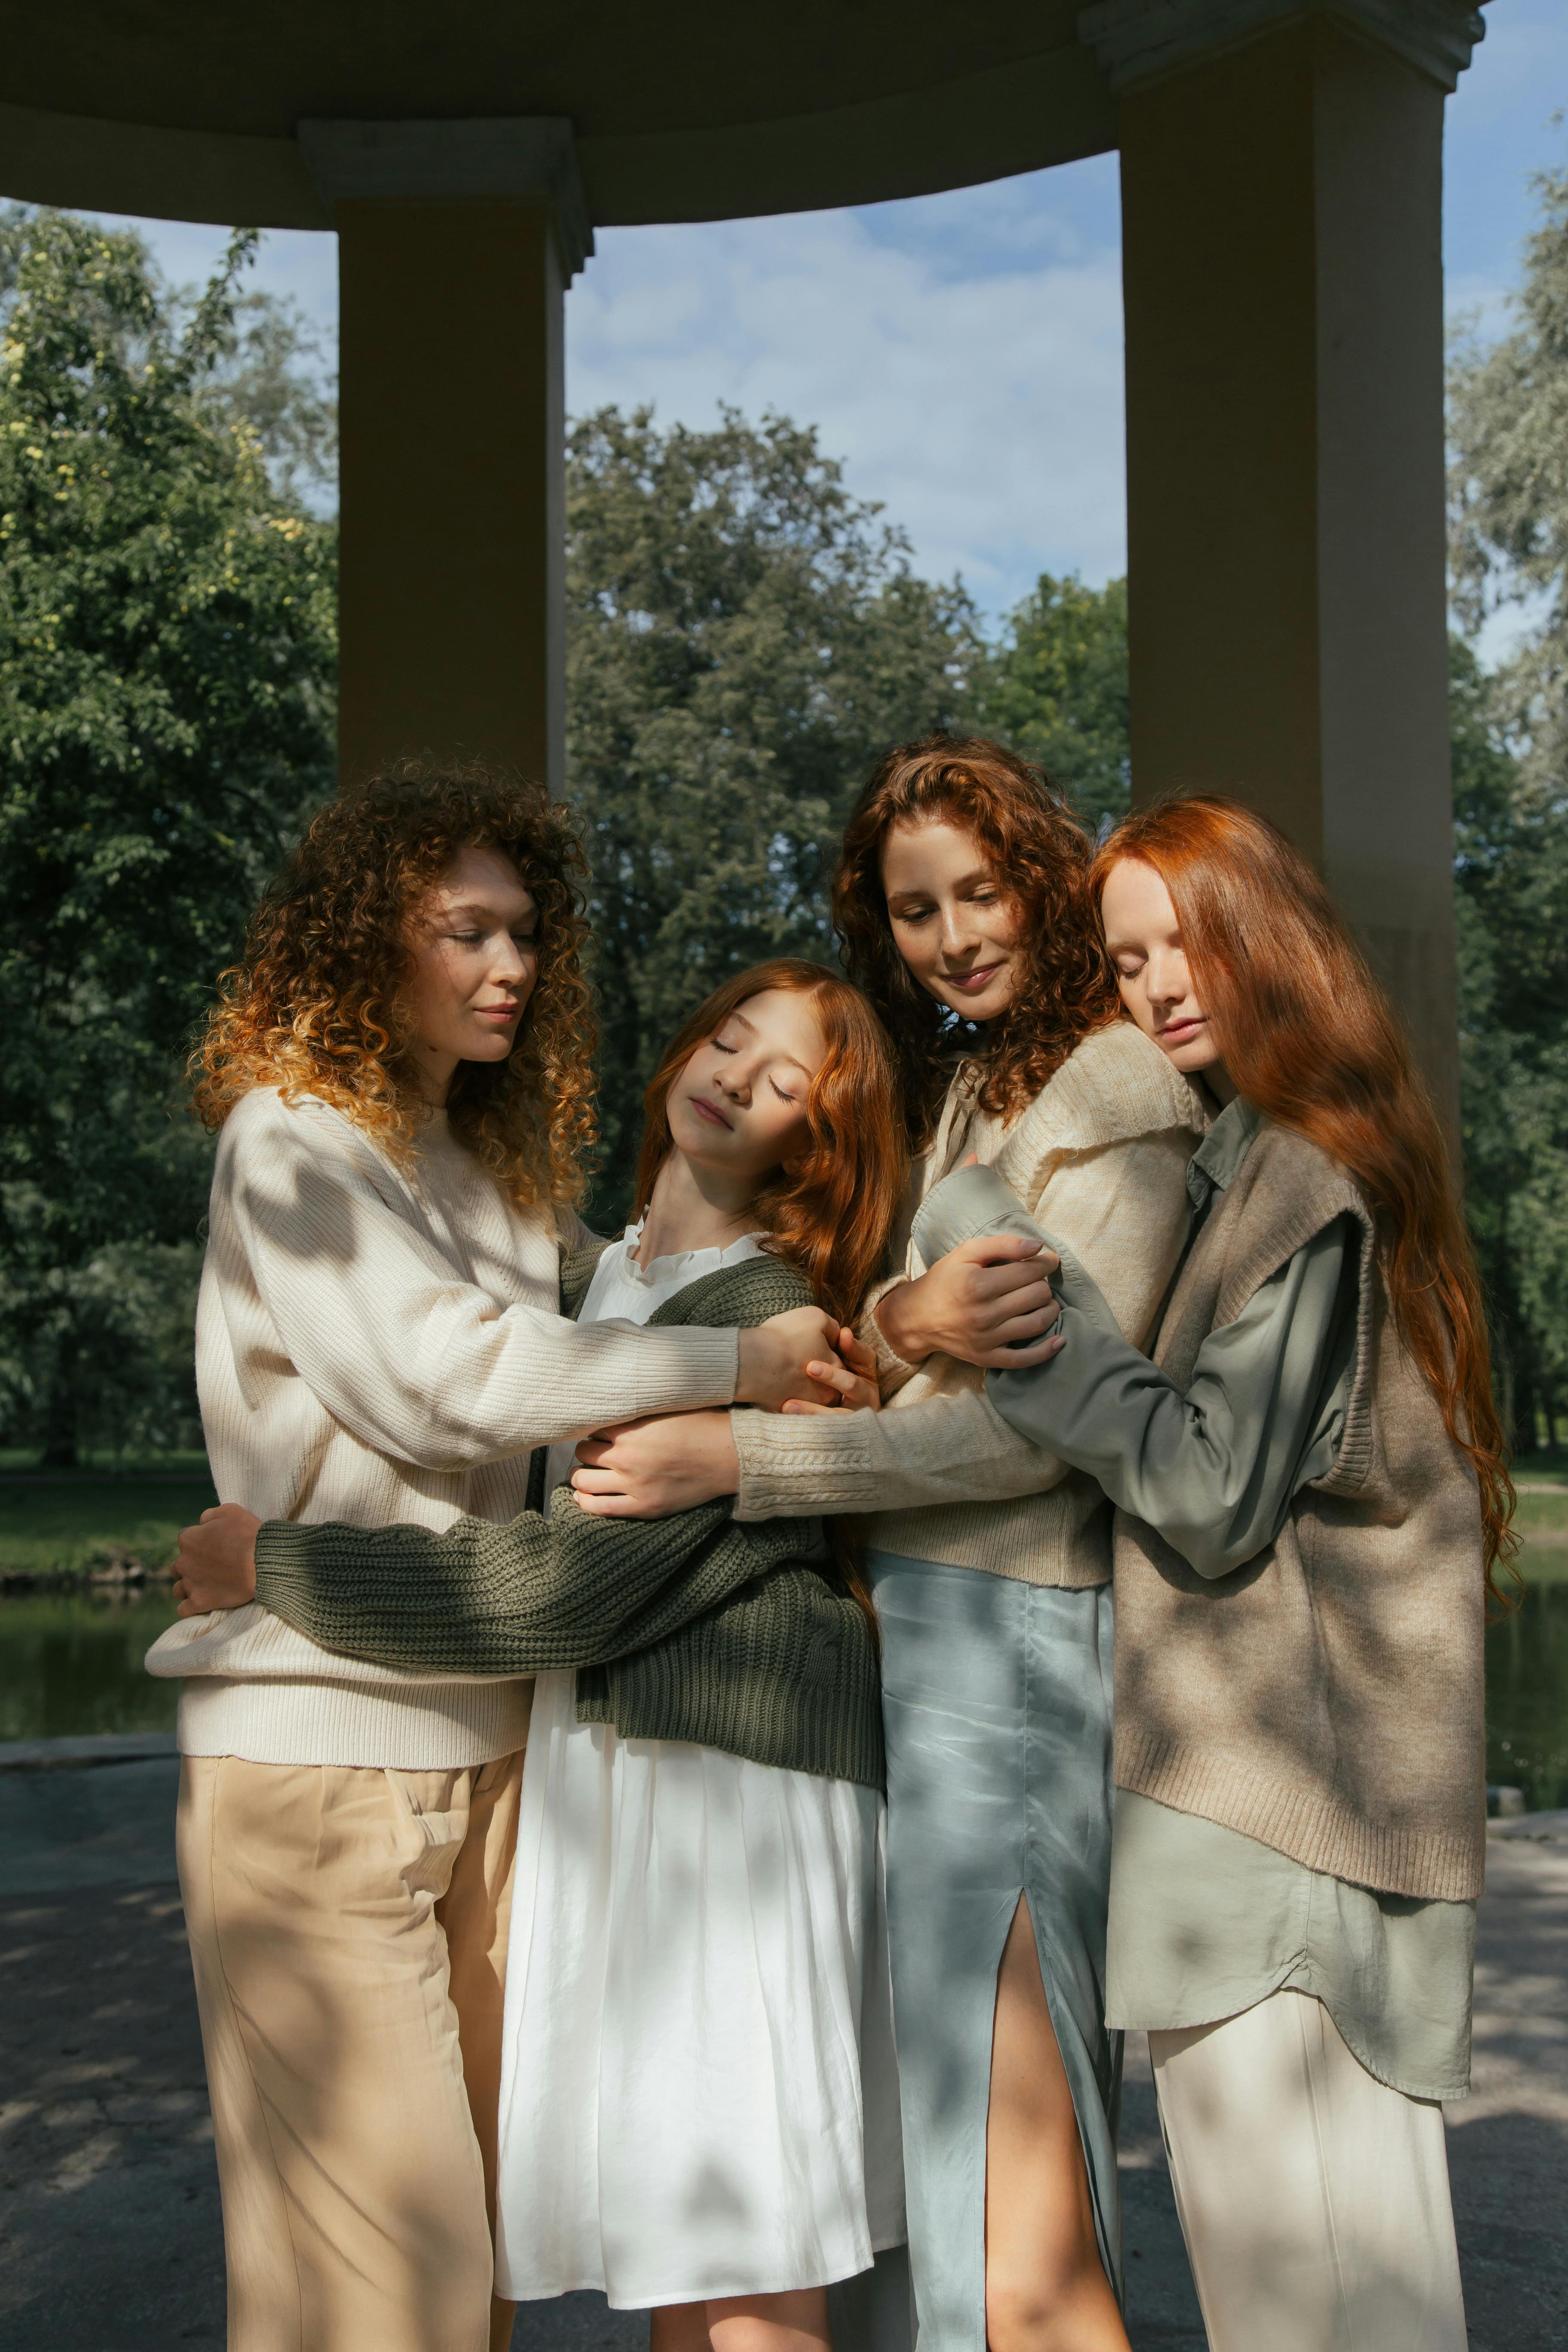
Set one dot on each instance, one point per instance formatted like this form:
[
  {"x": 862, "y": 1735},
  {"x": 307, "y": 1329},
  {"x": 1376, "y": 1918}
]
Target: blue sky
[{"x": 962, "y": 353}]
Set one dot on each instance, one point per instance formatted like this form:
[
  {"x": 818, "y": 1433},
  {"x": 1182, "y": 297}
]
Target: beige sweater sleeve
[
  {"x": 1124, "y": 1208},
  {"x": 422, "y": 1367}
]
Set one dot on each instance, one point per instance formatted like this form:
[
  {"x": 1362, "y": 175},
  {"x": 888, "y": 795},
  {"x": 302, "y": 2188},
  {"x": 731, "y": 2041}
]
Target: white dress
[{"x": 698, "y": 2093}]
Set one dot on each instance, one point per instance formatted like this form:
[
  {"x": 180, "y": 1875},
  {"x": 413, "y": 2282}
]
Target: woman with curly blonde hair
[{"x": 398, "y": 1068}]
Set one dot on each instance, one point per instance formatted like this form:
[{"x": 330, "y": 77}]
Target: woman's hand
[
  {"x": 216, "y": 1564},
  {"x": 974, "y": 1302},
  {"x": 646, "y": 1469},
  {"x": 853, "y": 1372},
  {"x": 776, "y": 1356}
]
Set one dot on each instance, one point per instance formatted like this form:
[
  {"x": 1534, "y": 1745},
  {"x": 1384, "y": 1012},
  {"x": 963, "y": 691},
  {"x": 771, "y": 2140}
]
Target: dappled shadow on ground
[
  {"x": 111, "y": 2237},
  {"x": 1162, "y": 2307},
  {"x": 1508, "y": 2143},
  {"x": 109, "y": 2234}
]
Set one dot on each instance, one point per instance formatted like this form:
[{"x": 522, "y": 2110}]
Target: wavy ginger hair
[
  {"x": 829, "y": 1212},
  {"x": 316, "y": 1004},
  {"x": 1313, "y": 1042},
  {"x": 1042, "y": 856}
]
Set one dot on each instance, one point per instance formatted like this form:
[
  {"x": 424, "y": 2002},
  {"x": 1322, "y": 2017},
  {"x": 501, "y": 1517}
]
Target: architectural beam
[
  {"x": 455, "y": 244},
  {"x": 1283, "y": 315}
]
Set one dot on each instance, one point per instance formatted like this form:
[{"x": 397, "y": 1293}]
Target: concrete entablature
[{"x": 1282, "y": 174}]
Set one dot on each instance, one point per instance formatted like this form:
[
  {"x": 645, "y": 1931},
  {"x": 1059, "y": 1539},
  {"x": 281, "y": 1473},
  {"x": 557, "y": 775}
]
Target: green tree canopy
[
  {"x": 1509, "y": 537},
  {"x": 1511, "y": 865},
  {"x": 168, "y": 639},
  {"x": 1509, "y": 491},
  {"x": 744, "y": 640},
  {"x": 1055, "y": 689}
]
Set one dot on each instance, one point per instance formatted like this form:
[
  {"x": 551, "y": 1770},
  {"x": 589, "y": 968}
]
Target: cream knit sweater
[
  {"x": 374, "y": 1346},
  {"x": 1100, "y": 1157}
]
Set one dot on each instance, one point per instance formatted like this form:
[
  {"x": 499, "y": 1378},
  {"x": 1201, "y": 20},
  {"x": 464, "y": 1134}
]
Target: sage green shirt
[{"x": 1206, "y": 1922}]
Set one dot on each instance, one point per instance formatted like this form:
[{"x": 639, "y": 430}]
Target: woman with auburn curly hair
[
  {"x": 962, "y": 898},
  {"x": 398, "y": 1070}
]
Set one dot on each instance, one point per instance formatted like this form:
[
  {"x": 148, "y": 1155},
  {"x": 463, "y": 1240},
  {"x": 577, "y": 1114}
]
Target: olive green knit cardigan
[{"x": 740, "y": 1638}]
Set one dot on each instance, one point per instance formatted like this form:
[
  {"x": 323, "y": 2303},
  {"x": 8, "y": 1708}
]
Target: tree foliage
[
  {"x": 1055, "y": 689},
  {"x": 744, "y": 639},
  {"x": 1509, "y": 489},
  {"x": 1512, "y": 866},
  {"x": 166, "y": 659}
]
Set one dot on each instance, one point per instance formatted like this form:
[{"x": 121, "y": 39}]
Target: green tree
[
  {"x": 166, "y": 661},
  {"x": 1055, "y": 689},
  {"x": 1511, "y": 868},
  {"x": 744, "y": 639},
  {"x": 1509, "y": 491},
  {"x": 1509, "y": 539}
]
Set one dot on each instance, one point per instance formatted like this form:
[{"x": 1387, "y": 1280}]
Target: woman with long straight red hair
[{"x": 1312, "y": 1503}]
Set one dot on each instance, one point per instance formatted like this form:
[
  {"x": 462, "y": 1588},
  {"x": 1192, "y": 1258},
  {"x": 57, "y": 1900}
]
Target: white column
[
  {"x": 456, "y": 241},
  {"x": 1281, "y": 173}
]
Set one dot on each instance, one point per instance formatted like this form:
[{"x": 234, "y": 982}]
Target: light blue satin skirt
[{"x": 996, "y": 1699}]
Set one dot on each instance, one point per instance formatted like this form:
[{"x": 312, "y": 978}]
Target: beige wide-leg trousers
[
  {"x": 1314, "y": 2201},
  {"x": 348, "y": 1929}
]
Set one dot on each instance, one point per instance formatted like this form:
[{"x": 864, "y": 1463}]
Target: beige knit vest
[{"x": 1326, "y": 1699}]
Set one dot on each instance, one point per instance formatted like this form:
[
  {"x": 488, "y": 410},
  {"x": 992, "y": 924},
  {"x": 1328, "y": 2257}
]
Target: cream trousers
[
  {"x": 1314, "y": 2201},
  {"x": 348, "y": 1929}
]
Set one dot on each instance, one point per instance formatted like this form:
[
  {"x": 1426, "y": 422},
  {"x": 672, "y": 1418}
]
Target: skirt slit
[{"x": 996, "y": 1703}]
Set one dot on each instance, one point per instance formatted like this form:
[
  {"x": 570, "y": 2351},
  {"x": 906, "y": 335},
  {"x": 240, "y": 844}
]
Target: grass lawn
[{"x": 64, "y": 1522}]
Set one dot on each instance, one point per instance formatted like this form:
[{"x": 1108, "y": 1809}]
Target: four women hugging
[{"x": 1179, "y": 1307}]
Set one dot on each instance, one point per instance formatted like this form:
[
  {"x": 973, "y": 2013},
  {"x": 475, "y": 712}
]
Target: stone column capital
[
  {"x": 1140, "y": 41},
  {"x": 443, "y": 162}
]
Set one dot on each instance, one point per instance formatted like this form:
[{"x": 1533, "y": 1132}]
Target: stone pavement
[{"x": 109, "y": 2234}]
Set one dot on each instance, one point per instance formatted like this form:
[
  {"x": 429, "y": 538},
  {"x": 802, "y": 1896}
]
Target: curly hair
[
  {"x": 316, "y": 1004},
  {"x": 830, "y": 1213},
  {"x": 1042, "y": 855}
]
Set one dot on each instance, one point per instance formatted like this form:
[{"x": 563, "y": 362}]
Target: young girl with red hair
[
  {"x": 1312, "y": 1501},
  {"x": 962, "y": 898},
  {"x": 698, "y": 2107}
]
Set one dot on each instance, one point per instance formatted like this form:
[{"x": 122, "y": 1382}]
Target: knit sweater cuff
[
  {"x": 684, "y": 1368},
  {"x": 892, "y": 1370},
  {"x": 793, "y": 1465},
  {"x": 282, "y": 1549}
]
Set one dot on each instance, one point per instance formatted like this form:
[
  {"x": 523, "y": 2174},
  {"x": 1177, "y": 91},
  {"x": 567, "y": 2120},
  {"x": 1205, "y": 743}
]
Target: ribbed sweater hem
[
  {"x": 743, "y": 1724},
  {"x": 992, "y": 1551},
  {"x": 1307, "y": 1822},
  {"x": 438, "y": 1727}
]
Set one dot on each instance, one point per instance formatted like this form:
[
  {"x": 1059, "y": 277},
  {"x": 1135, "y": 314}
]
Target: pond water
[{"x": 72, "y": 1662}]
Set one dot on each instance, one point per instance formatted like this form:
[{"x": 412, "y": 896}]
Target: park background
[{"x": 834, "y": 478}]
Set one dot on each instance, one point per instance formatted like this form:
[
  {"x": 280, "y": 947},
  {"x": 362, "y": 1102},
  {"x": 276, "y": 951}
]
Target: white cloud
[{"x": 983, "y": 409}]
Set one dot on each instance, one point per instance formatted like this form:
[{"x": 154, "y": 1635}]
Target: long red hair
[
  {"x": 830, "y": 1212},
  {"x": 1313, "y": 1042},
  {"x": 1041, "y": 854}
]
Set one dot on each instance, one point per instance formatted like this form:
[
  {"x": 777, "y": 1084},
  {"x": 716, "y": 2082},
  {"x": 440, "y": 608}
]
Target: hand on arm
[
  {"x": 215, "y": 1568},
  {"x": 665, "y": 1463},
  {"x": 976, "y": 1304},
  {"x": 852, "y": 1372},
  {"x": 793, "y": 1357},
  {"x": 648, "y": 1469}
]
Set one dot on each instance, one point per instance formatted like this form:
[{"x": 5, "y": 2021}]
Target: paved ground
[{"x": 110, "y": 2235}]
